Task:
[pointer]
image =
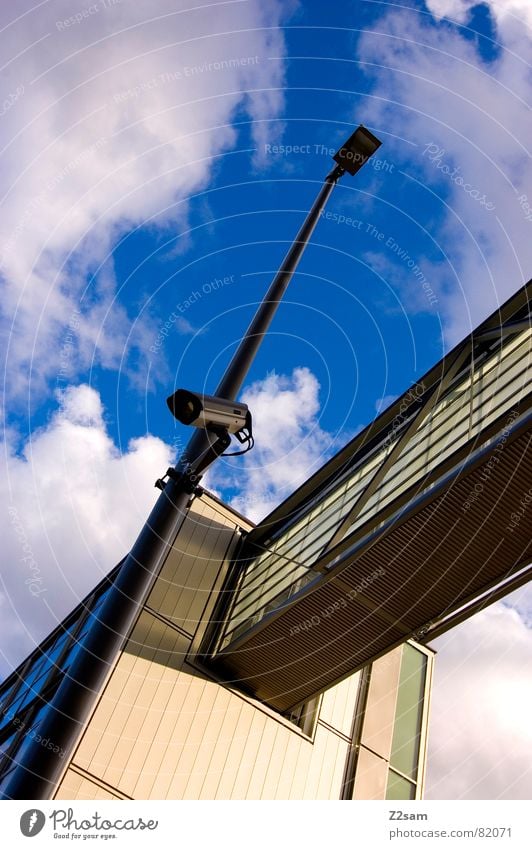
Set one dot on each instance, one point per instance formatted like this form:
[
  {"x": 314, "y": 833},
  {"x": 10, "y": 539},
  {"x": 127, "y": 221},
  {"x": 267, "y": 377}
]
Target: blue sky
[{"x": 157, "y": 159}]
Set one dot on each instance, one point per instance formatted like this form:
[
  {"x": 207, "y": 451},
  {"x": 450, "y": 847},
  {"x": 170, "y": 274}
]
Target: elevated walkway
[{"x": 411, "y": 528}]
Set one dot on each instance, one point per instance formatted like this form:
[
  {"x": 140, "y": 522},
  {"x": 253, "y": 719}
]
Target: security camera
[{"x": 207, "y": 411}]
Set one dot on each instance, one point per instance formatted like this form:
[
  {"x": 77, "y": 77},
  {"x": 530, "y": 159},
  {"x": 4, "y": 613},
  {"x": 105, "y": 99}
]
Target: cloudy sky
[{"x": 156, "y": 158}]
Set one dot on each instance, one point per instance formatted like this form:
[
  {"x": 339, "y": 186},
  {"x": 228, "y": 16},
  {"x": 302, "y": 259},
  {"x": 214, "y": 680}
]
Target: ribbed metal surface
[
  {"x": 432, "y": 561},
  {"x": 446, "y": 553}
]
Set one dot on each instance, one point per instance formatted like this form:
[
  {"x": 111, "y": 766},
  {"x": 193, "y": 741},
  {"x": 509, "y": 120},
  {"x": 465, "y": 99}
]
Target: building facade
[
  {"x": 164, "y": 727},
  {"x": 289, "y": 660}
]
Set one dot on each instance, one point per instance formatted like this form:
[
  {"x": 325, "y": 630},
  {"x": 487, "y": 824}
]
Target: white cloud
[
  {"x": 81, "y": 405},
  {"x": 457, "y": 10},
  {"x": 471, "y": 122},
  {"x": 111, "y": 120},
  {"x": 505, "y": 12},
  {"x": 74, "y": 506},
  {"x": 480, "y": 738},
  {"x": 384, "y": 402},
  {"x": 289, "y": 443}
]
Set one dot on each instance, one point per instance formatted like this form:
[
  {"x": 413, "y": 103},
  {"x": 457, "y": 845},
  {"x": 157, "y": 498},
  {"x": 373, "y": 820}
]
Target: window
[
  {"x": 306, "y": 716},
  {"x": 404, "y": 757},
  {"x": 399, "y": 787}
]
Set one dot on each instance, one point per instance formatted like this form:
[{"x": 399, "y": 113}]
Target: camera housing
[{"x": 208, "y": 411}]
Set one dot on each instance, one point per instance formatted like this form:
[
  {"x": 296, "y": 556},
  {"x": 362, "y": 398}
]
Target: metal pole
[
  {"x": 236, "y": 371},
  {"x": 238, "y": 368},
  {"x": 39, "y": 769}
]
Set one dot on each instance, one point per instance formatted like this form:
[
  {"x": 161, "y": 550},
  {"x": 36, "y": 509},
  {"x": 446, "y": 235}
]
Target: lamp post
[{"x": 39, "y": 768}]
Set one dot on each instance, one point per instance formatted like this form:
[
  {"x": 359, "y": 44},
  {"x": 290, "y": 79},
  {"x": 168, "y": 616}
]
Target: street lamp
[
  {"x": 357, "y": 150},
  {"x": 75, "y": 695}
]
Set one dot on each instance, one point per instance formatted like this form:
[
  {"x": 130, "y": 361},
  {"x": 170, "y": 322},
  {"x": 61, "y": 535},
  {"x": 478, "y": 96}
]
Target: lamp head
[{"x": 357, "y": 150}]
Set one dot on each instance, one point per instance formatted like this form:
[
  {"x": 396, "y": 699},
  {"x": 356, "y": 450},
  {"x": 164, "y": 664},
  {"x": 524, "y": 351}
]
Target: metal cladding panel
[
  {"x": 433, "y": 562},
  {"x": 313, "y": 643},
  {"x": 447, "y": 552},
  {"x": 289, "y": 669}
]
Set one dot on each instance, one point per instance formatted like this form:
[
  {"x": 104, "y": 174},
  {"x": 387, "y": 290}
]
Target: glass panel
[
  {"x": 4, "y": 696},
  {"x": 29, "y": 738},
  {"x": 250, "y": 602},
  {"x": 55, "y": 650},
  {"x": 28, "y": 694},
  {"x": 399, "y": 787},
  {"x": 7, "y": 742},
  {"x": 20, "y": 702},
  {"x": 409, "y": 711},
  {"x": 35, "y": 671},
  {"x": 448, "y": 425},
  {"x": 5, "y": 719},
  {"x": 93, "y": 615},
  {"x": 73, "y": 652},
  {"x": 7, "y": 774},
  {"x": 37, "y": 677},
  {"x": 6, "y": 714}
]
